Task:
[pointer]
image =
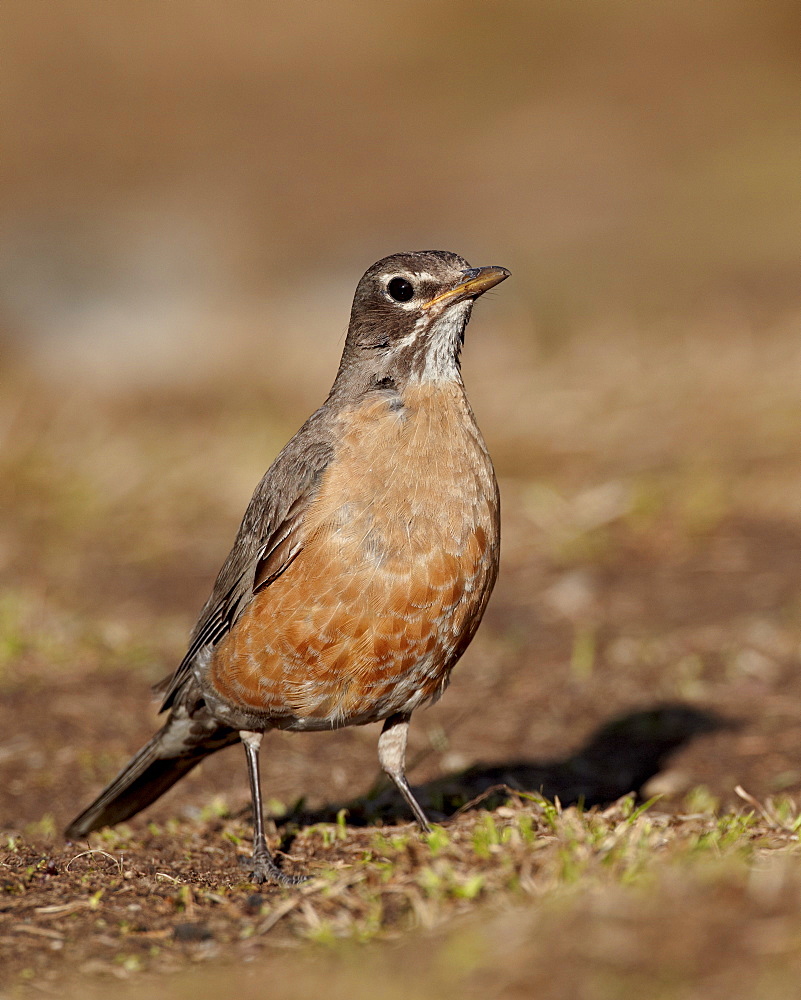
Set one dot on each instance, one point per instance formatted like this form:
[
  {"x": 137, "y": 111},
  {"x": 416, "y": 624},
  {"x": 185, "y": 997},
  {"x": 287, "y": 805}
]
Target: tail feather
[{"x": 178, "y": 747}]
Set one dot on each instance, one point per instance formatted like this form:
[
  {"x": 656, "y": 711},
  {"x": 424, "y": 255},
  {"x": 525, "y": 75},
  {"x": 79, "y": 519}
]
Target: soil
[{"x": 689, "y": 678}]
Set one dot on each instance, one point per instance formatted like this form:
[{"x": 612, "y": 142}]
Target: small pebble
[
  {"x": 253, "y": 904},
  {"x": 192, "y": 932}
]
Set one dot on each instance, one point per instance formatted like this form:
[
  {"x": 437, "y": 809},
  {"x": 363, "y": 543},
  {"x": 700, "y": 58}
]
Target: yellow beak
[{"x": 478, "y": 280}]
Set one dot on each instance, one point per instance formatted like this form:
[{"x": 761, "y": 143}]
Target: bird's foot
[{"x": 262, "y": 868}]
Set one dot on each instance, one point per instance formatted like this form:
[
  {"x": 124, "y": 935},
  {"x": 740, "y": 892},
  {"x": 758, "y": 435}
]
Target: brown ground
[{"x": 643, "y": 637}]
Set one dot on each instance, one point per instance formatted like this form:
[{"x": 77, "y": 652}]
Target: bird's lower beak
[{"x": 477, "y": 281}]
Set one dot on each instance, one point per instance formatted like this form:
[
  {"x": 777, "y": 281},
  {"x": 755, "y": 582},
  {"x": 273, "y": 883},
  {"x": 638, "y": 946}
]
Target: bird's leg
[
  {"x": 264, "y": 867},
  {"x": 392, "y": 757}
]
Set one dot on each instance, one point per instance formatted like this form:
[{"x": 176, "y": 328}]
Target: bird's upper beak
[{"x": 477, "y": 281}]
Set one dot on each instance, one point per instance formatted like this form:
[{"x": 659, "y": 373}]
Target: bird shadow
[{"x": 619, "y": 757}]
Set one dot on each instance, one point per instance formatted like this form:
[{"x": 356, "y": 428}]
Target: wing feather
[{"x": 269, "y": 539}]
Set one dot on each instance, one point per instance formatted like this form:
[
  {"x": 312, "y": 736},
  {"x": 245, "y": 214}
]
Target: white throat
[{"x": 444, "y": 342}]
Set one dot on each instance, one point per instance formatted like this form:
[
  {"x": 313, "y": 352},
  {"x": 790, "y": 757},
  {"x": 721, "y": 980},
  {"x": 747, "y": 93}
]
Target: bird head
[{"x": 409, "y": 315}]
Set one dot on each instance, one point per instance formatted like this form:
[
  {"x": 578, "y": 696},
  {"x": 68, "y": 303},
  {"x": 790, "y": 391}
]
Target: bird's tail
[{"x": 178, "y": 747}]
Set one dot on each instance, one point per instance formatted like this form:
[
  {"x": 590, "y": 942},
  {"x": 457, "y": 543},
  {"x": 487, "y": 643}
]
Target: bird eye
[{"x": 400, "y": 289}]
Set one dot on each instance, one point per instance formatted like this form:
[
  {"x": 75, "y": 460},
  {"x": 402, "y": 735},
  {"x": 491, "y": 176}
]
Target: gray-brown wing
[{"x": 269, "y": 538}]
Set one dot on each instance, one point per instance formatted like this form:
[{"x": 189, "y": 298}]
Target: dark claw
[{"x": 264, "y": 869}]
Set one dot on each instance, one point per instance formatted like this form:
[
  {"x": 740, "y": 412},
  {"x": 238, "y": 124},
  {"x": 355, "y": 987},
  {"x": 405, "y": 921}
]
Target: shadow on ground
[{"x": 620, "y": 757}]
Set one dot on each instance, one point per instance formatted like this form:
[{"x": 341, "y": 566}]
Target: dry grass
[{"x": 529, "y": 896}]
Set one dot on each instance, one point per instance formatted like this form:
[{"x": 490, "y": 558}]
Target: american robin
[{"x": 364, "y": 561}]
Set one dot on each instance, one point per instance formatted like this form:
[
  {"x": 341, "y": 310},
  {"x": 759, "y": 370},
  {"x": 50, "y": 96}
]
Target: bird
[{"x": 362, "y": 566}]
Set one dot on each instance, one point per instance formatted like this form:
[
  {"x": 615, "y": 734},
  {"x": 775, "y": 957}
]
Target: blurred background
[
  {"x": 189, "y": 194},
  {"x": 175, "y": 172}
]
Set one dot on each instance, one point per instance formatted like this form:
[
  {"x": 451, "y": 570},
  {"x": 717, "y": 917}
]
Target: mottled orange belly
[{"x": 399, "y": 556}]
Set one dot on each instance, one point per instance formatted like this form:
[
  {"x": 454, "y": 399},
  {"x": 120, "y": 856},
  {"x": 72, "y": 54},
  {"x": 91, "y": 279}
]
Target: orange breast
[{"x": 400, "y": 556}]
